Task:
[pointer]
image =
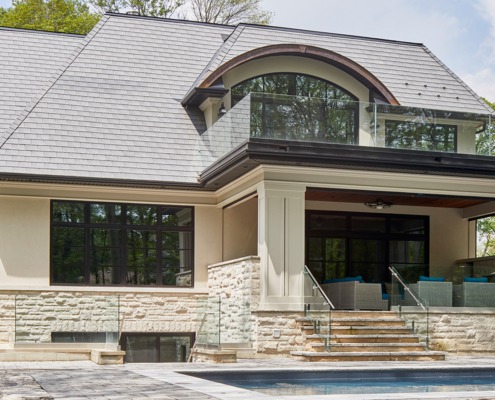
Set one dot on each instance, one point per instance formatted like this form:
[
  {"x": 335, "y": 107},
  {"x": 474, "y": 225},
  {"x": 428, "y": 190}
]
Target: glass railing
[
  {"x": 406, "y": 301},
  {"x": 225, "y": 323},
  {"x": 318, "y": 309},
  {"x": 58, "y": 317},
  {"x": 317, "y": 120}
]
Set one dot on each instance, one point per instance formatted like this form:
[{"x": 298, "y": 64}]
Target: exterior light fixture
[
  {"x": 222, "y": 111},
  {"x": 378, "y": 204}
]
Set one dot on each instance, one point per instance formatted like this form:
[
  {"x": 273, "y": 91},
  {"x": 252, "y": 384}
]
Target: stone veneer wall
[
  {"x": 234, "y": 288},
  {"x": 462, "y": 330},
  {"x": 7, "y": 318},
  {"x": 28, "y": 316},
  {"x": 237, "y": 284}
]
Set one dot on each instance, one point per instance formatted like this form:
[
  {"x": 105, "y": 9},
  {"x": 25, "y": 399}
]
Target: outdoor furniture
[
  {"x": 474, "y": 294},
  {"x": 355, "y": 295},
  {"x": 432, "y": 293}
]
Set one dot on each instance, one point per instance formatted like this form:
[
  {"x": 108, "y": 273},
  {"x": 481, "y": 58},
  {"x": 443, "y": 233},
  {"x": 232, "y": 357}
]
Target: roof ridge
[
  {"x": 39, "y": 31},
  {"x": 173, "y": 20},
  {"x": 458, "y": 79},
  {"x": 322, "y": 33},
  {"x": 31, "y": 105}
]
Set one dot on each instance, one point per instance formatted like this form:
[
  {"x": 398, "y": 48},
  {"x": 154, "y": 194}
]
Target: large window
[
  {"x": 485, "y": 236},
  {"x": 299, "y": 107},
  {"x": 121, "y": 244},
  {"x": 349, "y": 244}
]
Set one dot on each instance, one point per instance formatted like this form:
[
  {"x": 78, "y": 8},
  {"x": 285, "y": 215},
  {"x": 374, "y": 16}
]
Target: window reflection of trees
[
  {"x": 299, "y": 107},
  {"x": 114, "y": 244}
]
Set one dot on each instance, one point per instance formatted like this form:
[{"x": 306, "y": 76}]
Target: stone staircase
[{"x": 361, "y": 336}]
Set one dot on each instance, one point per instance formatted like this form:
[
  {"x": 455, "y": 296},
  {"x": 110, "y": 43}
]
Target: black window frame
[
  {"x": 348, "y": 234},
  {"x": 123, "y": 227},
  {"x": 157, "y": 335}
]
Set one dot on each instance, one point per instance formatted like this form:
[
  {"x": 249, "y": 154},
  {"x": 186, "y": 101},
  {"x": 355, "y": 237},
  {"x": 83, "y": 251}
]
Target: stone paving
[{"x": 80, "y": 380}]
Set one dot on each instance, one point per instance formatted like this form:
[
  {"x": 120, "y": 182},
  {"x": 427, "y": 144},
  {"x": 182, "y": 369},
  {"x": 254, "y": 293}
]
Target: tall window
[
  {"x": 350, "y": 244},
  {"x": 485, "y": 236},
  {"x": 299, "y": 107},
  {"x": 121, "y": 244}
]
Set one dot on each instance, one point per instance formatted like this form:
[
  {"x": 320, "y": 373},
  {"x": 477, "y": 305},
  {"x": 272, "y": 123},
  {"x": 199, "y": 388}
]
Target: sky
[{"x": 460, "y": 32}]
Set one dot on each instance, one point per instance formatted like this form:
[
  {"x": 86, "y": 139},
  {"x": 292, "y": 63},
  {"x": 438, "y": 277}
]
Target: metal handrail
[
  {"x": 419, "y": 302},
  {"x": 394, "y": 272},
  {"x": 317, "y": 286}
]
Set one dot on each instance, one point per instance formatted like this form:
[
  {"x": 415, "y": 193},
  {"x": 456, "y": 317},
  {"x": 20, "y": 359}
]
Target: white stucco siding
[{"x": 24, "y": 241}]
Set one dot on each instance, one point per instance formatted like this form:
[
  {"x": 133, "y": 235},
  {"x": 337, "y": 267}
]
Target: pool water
[{"x": 298, "y": 383}]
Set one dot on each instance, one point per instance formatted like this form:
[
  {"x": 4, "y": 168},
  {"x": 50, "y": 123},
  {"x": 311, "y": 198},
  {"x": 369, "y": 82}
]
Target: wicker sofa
[
  {"x": 433, "y": 293},
  {"x": 355, "y": 295},
  {"x": 474, "y": 294}
]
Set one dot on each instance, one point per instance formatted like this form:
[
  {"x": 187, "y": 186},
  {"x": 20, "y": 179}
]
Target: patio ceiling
[{"x": 417, "y": 200}]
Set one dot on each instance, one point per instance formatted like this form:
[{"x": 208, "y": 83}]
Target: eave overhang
[
  {"x": 336, "y": 156},
  {"x": 198, "y": 95},
  {"x": 108, "y": 182}
]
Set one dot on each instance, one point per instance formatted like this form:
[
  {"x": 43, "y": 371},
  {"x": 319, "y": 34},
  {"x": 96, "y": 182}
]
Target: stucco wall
[
  {"x": 24, "y": 241},
  {"x": 240, "y": 234}
]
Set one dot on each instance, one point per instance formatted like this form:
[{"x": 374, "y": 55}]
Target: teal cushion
[
  {"x": 358, "y": 278},
  {"x": 431, "y": 279},
  {"x": 482, "y": 279}
]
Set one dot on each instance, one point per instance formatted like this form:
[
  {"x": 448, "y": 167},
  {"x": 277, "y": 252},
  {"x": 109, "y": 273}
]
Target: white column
[{"x": 281, "y": 243}]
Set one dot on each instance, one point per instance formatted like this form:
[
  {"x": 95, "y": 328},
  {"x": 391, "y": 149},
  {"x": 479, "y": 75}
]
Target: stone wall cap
[{"x": 235, "y": 261}]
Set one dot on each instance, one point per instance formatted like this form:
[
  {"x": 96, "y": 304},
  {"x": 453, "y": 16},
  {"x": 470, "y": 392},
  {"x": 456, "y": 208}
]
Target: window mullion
[
  {"x": 123, "y": 247},
  {"x": 87, "y": 244}
]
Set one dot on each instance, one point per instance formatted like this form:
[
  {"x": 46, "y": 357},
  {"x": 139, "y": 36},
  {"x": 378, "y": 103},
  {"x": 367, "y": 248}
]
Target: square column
[{"x": 281, "y": 237}]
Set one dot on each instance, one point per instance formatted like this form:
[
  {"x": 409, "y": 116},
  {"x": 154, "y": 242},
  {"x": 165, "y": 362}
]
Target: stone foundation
[
  {"x": 31, "y": 317},
  {"x": 458, "y": 330}
]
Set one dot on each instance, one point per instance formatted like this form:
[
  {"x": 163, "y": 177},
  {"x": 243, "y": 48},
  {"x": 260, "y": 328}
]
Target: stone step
[
  {"x": 362, "y": 330},
  {"x": 367, "y": 322},
  {"x": 370, "y": 347},
  {"x": 366, "y": 356},
  {"x": 351, "y": 314},
  {"x": 382, "y": 338},
  {"x": 54, "y": 353},
  {"x": 47, "y": 355}
]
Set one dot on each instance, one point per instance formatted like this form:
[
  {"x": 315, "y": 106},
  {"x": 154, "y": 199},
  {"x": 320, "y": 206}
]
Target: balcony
[{"x": 314, "y": 123}]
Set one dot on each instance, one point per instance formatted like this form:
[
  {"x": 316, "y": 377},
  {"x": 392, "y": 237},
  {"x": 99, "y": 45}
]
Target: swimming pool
[{"x": 299, "y": 383}]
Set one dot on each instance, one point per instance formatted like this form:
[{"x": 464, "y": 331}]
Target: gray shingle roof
[
  {"x": 28, "y": 59},
  {"x": 108, "y": 105},
  {"x": 115, "y": 111},
  {"x": 404, "y": 68}
]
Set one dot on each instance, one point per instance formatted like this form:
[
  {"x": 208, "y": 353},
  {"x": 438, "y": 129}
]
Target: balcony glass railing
[
  {"x": 225, "y": 322},
  {"x": 317, "y": 120}
]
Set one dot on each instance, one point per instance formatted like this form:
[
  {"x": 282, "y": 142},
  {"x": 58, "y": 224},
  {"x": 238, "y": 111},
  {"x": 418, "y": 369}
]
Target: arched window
[{"x": 299, "y": 107}]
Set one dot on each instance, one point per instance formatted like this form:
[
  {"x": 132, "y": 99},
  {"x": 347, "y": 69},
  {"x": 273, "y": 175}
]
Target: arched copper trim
[{"x": 328, "y": 56}]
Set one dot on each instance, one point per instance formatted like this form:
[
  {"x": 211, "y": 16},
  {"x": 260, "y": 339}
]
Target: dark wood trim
[{"x": 351, "y": 67}]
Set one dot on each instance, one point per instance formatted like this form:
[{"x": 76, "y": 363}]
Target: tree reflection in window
[
  {"x": 121, "y": 244},
  {"x": 299, "y": 107},
  {"x": 420, "y": 136}
]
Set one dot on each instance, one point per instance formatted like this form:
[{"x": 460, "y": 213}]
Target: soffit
[{"x": 415, "y": 200}]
